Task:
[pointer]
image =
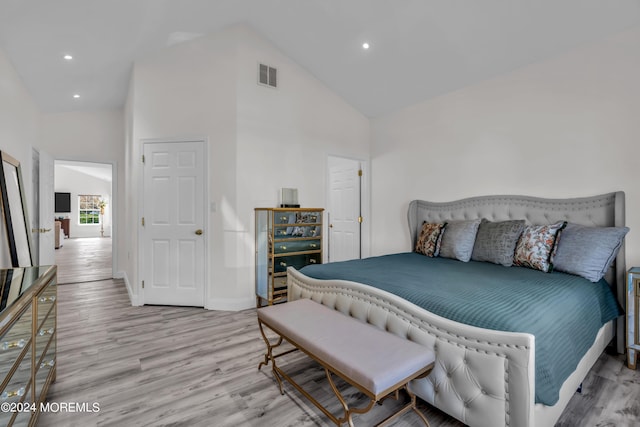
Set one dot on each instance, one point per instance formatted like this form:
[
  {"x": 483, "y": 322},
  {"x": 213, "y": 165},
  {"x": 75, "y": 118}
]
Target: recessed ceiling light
[
  {"x": 76, "y": 96},
  {"x": 365, "y": 45},
  {"x": 68, "y": 57}
]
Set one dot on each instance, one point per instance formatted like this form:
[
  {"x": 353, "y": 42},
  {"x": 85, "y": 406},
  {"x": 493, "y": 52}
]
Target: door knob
[
  {"x": 199, "y": 232},
  {"x": 40, "y": 230}
]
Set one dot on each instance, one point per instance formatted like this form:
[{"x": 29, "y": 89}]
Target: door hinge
[
  {"x": 143, "y": 158},
  {"x": 360, "y": 219},
  {"x": 359, "y": 172},
  {"x": 143, "y": 284},
  {"x": 142, "y": 221}
]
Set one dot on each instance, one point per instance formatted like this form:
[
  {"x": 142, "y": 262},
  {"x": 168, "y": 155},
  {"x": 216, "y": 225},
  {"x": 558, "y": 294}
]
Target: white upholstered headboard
[{"x": 605, "y": 210}]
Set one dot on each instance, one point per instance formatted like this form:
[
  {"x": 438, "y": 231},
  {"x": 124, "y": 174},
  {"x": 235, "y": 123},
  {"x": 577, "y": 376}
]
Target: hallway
[{"x": 84, "y": 260}]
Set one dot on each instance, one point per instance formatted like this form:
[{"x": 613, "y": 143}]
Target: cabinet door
[
  {"x": 46, "y": 333},
  {"x": 296, "y": 261},
  {"x": 300, "y": 245},
  {"x": 15, "y": 363}
]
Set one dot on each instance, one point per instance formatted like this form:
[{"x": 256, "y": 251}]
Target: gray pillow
[
  {"x": 458, "y": 238},
  {"x": 496, "y": 241},
  {"x": 588, "y": 251}
]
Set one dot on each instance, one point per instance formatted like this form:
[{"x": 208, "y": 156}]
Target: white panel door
[
  {"x": 344, "y": 209},
  {"x": 46, "y": 236},
  {"x": 173, "y": 242}
]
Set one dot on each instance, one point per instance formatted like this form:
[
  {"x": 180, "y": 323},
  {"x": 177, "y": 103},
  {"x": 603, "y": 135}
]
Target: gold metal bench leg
[
  {"x": 415, "y": 408},
  {"x": 410, "y": 406},
  {"x": 269, "y": 356},
  {"x": 269, "y": 353},
  {"x": 348, "y": 412}
]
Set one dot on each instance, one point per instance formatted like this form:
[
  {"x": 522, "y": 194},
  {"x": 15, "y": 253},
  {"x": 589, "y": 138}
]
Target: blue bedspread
[{"x": 563, "y": 312}]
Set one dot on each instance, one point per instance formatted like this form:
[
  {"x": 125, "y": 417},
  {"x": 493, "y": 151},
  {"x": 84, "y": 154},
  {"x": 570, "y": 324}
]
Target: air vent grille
[{"x": 267, "y": 76}]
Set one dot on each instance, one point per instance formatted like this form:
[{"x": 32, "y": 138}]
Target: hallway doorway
[{"x": 83, "y": 213}]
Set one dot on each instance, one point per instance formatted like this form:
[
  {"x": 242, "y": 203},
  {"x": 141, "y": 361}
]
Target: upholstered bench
[{"x": 374, "y": 361}]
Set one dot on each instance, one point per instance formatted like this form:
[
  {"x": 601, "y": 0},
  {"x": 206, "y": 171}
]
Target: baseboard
[
  {"x": 132, "y": 297},
  {"x": 230, "y": 304}
]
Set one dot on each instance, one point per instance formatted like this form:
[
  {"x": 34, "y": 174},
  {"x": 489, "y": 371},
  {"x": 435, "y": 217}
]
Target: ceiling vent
[{"x": 267, "y": 75}]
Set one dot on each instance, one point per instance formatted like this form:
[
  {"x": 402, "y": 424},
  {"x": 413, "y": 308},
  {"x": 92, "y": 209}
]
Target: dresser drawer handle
[
  {"x": 47, "y": 299},
  {"x": 284, "y": 248},
  {"x": 313, "y": 245},
  {"x": 284, "y": 218},
  {"x": 9, "y": 394},
  {"x": 283, "y": 264},
  {"x": 15, "y": 344},
  {"x": 312, "y": 261},
  {"x": 48, "y": 364},
  {"x": 43, "y": 332}
]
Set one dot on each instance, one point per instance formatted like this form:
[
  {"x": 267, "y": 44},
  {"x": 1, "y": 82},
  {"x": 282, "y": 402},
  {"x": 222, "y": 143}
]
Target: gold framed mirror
[{"x": 14, "y": 206}]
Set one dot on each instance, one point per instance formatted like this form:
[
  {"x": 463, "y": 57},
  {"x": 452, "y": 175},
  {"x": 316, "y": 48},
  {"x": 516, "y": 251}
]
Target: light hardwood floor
[
  {"x": 183, "y": 366},
  {"x": 84, "y": 259}
]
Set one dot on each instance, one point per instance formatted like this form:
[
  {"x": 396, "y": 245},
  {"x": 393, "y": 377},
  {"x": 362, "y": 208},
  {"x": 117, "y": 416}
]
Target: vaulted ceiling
[{"x": 418, "y": 48}]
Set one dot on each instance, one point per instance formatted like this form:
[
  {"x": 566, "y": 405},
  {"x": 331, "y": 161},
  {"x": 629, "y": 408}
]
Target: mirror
[{"x": 14, "y": 205}]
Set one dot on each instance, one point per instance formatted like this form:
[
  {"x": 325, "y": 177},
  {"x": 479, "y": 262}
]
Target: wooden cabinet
[
  {"x": 28, "y": 324},
  {"x": 633, "y": 298},
  {"x": 65, "y": 224},
  {"x": 285, "y": 237}
]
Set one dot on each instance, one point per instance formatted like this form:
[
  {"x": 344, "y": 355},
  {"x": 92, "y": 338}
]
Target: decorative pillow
[
  {"x": 429, "y": 237},
  {"x": 536, "y": 245},
  {"x": 458, "y": 238},
  {"x": 496, "y": 241},
  {"x": 588, "y": 251}
]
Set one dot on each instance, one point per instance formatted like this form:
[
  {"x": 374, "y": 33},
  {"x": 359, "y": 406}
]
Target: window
[{"x": 89, "y": 212}]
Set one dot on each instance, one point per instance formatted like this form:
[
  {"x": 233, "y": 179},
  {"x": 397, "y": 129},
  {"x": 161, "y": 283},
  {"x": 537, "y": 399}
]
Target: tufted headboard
[{"x": 605, "y": 210}]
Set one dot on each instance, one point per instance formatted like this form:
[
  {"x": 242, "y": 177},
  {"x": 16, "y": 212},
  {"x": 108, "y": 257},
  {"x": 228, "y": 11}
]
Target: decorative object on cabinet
[
  {"x": 633, "y": 320},
  {"x": 289, "y": 198},
  {"x": 28, "y": 333},
  {"x": 14, "y": 205},
  {"x": 285, "y": 237}
]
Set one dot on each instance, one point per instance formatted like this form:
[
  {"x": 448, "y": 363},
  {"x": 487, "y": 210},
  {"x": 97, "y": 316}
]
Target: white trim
[
  {"x": 132, "y": 298},
  {"x": 114, "y": 218},
  {"x": 230, "y": 304}
]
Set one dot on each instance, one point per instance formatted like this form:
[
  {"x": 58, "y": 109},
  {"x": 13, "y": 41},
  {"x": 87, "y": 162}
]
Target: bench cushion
[{"x": 362, "y": 353}]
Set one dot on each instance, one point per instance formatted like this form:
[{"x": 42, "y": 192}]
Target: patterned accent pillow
[
  {"x": 535, "y": 246},
  {"x": 496, "y": 241},
  {"x": 429, "y": 238}
]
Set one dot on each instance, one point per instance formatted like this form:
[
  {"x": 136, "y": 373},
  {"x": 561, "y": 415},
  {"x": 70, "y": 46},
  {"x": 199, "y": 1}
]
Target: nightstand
[{"x": 633, "y": 324}]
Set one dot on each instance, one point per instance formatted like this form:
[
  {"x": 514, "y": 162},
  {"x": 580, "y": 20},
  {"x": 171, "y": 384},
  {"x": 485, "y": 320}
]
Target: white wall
[
  {"x": 93, "y": 136},
  {"x": 259, "y": 139},
  {"x": 187, "y": 91},
  {"x": 285, "y": 136},
  {"x": 77, "y": 183},
  {"x": 19, "y": 122},
  {"x": 565, "y": 127}
]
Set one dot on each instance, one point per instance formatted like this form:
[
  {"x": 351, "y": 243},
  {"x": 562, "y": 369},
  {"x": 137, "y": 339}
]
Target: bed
[{"x": 483, "y": 377}]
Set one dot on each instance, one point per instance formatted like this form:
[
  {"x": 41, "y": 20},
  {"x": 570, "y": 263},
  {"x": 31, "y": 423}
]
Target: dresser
[
  {"x": 28, "y": 322},
  {"x": 633, "y": 322},
  {"x": 285, "y": 237}
]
